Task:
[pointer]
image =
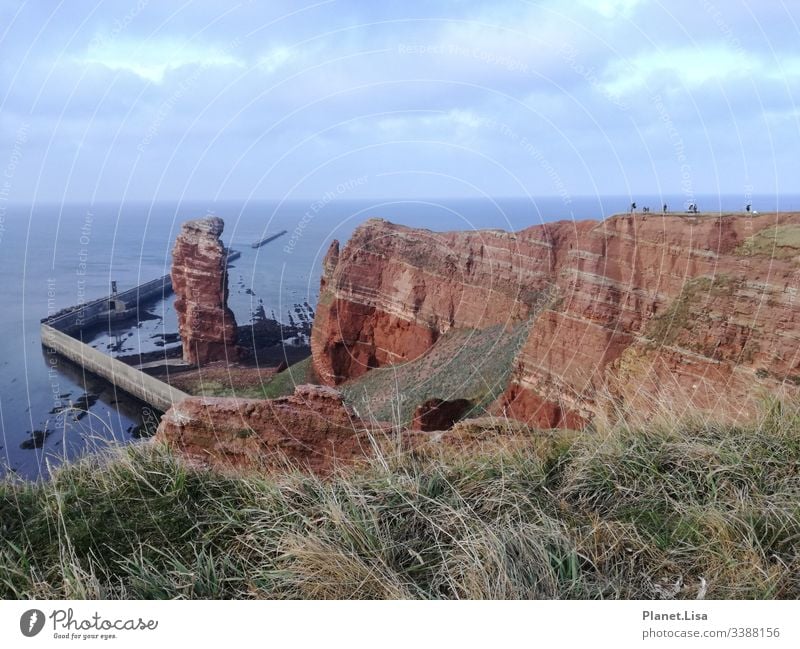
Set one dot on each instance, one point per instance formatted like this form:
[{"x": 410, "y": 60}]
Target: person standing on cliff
[
  {"x": 665, "y": 208},
  {"x": 633, "y": 208}
]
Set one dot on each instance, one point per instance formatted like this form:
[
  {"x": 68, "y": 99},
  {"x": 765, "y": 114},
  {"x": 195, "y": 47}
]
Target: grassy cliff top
[{"x": 667, "y": 510}]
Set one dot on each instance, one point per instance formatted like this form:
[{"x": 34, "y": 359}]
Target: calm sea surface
[{"x": 54, "y": 256}]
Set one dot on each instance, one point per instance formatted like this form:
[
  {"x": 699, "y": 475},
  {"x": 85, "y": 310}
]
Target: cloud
[
  {"x": 611, "y": 8},
  {"x": 153, "y": 59},
  {"x": 253, "y": 86},
  {"x": 692, "y": 67},
  {"x": 274, "y": 59}
]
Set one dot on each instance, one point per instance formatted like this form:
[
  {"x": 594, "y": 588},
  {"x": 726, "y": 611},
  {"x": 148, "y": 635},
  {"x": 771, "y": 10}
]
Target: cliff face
[
  {"x": 665, "y": 313},
  {"x": 632, "y": 312},
  {"x": 206, "y": 325},
  {"x": 389, "y": 294}
]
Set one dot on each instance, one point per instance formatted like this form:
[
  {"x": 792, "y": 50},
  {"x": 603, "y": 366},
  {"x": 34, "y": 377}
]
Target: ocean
[{"x": 55, "y": 256}]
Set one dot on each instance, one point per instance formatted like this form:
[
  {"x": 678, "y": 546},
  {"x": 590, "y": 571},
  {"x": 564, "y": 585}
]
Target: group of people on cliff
[
  {"x": 691, "y": 209},
  {"x": 664, "y": 209}
]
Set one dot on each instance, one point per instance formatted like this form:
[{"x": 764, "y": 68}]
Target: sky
[{"x": 146, "y": 100}]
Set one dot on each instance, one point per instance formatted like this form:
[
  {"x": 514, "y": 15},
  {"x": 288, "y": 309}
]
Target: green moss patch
[{"x": 776, "y": 242}]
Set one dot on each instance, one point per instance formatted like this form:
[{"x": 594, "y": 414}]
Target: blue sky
[{"x": 160, "y": 100}]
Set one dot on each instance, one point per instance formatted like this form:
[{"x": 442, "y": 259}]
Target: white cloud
[
  {"x": 611, "y": 8},
  {"x": 691, "y": 66},
  {"x": 151, "y": 60},
  {"x": 403, "y": 125}
]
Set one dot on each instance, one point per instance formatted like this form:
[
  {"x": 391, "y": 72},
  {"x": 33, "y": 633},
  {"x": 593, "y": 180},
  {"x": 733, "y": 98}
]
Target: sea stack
[{"x": 206, "y": 325}]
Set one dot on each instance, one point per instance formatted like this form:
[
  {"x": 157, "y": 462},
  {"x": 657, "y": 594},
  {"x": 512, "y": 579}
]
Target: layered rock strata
[
  {"x": 631, "y": 313},
  {"x": 312, "y": 429},
  {"x": 389, "y": 294},
  {"x": 662, "y": 315},
  {"x": 206, "y": 325}
]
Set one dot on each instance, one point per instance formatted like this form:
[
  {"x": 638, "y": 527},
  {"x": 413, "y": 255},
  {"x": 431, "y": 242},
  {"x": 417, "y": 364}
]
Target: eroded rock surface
[
  {"x": 389, "y": 294},
  {"x": 312, "y": 428},
  {"x": 629, "y": 314},
  {"x": 206, "y": 325}
]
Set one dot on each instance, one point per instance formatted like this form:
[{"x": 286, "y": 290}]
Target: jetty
[
  {"x": 61, "y": 333},
  {"x": 266, "y": 240},
  {"x": 231, "y": 255},
  {"x": 115, "y": 307}
]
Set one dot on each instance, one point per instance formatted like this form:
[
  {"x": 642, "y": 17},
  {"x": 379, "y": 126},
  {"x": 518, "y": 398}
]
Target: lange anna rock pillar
[{"x": 206, "y": 325}]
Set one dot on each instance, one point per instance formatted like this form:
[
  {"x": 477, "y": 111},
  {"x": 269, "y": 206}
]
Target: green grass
[
  {"x": 463, "y": 364},
  {"x": 284, "y": 383},
  {"x": 686, "y": 510},
  {"x": 694, "y": 310},
  {"x": 212, "y": 388},
  {"x": 776, "y": 242},
  {"x": 281, "y": 384}
]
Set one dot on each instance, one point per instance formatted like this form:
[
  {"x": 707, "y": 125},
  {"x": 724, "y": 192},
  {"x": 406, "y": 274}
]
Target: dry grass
[{"x": 668, "y": 510}]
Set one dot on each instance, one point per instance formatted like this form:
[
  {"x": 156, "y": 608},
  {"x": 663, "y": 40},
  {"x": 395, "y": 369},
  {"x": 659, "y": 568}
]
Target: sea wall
[
  {"x": 150, "y": 390},
  {"x": 97, "y": 311}
]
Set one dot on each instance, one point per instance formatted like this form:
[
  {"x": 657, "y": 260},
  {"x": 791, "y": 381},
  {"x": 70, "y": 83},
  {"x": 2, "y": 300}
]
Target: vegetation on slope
[
  {"x": 463, "y": 364},
  {"x": 776, "y": 242},
  {"x": 245, "y": 383},
  {"x": 690, "y": 510},
  {"x": 695, "y": 310},
  {"x": 284, "y": 383}
]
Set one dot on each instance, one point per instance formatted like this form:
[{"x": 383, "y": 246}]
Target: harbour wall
[
  {"x": 158, "y": 394},
  {"x": 57, "y": 330},
  {"x": 123, "y": 305}
]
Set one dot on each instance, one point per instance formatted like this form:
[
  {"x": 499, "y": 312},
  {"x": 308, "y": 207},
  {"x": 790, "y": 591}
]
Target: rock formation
[
  {"x": 392, "y": 291},
  {"x": 632, "y": 313},
  {"x": 312, "y": 428},
  {"x": 199, "y": 278},
  {"x": 663, "y": 314}
]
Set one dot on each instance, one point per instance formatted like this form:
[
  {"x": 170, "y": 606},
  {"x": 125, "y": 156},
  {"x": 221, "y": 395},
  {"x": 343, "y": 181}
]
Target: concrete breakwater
[
  {"x": 266, "y": 240},
  {"x": 118, "y": 306},
  {"x": 57, "y": 333},
  {"x": 112, "y": 308},
  {"x": 158, "y": 394}
]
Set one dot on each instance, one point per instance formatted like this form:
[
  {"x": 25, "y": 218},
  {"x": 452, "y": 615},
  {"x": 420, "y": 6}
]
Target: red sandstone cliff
[
  {"x": 206, "y": 325},
  {"x": 632, "y": 312},
  {"x": 390, "y": 293}
]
